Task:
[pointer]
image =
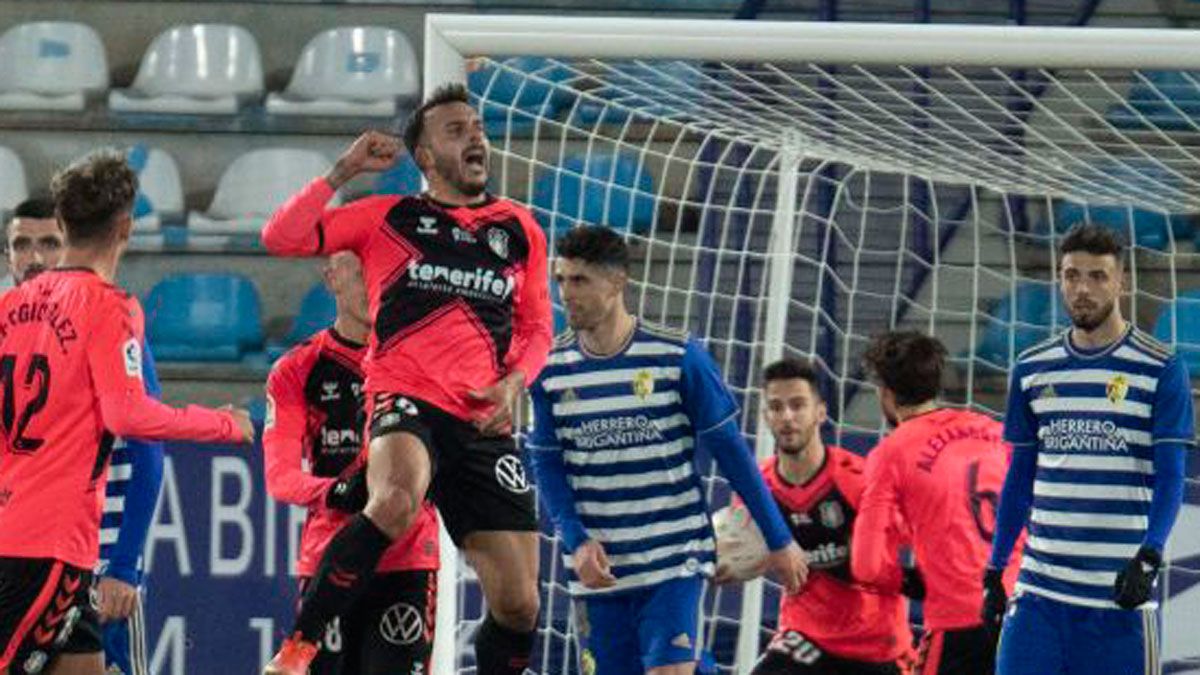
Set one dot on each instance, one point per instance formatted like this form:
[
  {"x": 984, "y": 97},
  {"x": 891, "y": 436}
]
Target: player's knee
[
  {"x": 516, "y": 609},
  {"x": 392, "y": 508}
]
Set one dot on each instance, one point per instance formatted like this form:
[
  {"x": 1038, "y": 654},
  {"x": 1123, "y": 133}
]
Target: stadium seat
[
  {"x": 1032, "y": 313},
  {"x": 1166, "y": 99},
  {"x": 160, "y": 190},
  {"x": 195, "y": 69},
  {"x": 13, "y": 187},
  {"x": 51, "y": 65},
  {"x": 255, "y": 185},
  {"x": 597, "y": 189},
  {"x": 404, "y": 178},
  {"x": 1186, "y": 337},
  {"x": 318, "y": 309},
  {"x": 1150, "y": 228},
  {"x": 644, "y": 87},
  {"x": 518, "y": 92},
  {"x": 204, "y": 317},
  {"x": 352, "y": 70}
]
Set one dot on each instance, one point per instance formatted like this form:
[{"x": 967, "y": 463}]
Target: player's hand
[
  {"x": 116, "y": 599},
  {"x": 789, "y": 566},
  {"x": 995, "y": 600},
  {"x": 349, "y": 493},
  {"x": 912, "y": 584},
  {"x": 373, "y": 151},
  {"x": 241, "y": 419},
  {"x": 1135, "y": 583},
  {"x": 503, "y": 397},
  {"x": 591, "y": 565}
]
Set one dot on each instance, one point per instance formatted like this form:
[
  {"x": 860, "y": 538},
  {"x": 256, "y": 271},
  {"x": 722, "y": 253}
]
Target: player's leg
[
  {"x": 1034, "y": 638},
  {"x": 47, "y": 621},
  {"x": 608, "y": 639},
  {"x": 668, "y": 625},
  {"x": 487, "y": 505},
  {"x": 397, "y": 624},
  {"x": 1113, "y": 642},
  {"x": 957, "y": 652}
]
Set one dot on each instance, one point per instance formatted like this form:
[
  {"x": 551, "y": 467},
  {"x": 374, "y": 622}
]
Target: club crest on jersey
[
  {"x": 428, "y": 225},
  {"x": 498, "y": 241},
  {"x": 1047, "y": 392},
  {"x": 568, "y": 396},
  {"x": 643, "y": 384},
  {"x": 831, "y": 514},
  {"x": 1117, "y": 389}
]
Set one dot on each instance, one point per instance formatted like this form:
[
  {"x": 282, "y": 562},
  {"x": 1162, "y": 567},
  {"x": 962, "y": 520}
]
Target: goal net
[{"x": 794, "y": 189}]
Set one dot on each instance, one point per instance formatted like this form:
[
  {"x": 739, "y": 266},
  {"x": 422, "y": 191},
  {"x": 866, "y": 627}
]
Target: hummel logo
[
  {"x": 428, "y": 225},
  {"x": 682, "y": 641}
]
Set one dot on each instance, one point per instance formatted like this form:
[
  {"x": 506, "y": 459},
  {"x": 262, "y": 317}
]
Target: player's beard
[
  {"x": 1091, "y": 320},
  {"x": 32, "y": 271},
  {"x": 803, "y": 438},
  {"x": 451, "y": 171}
]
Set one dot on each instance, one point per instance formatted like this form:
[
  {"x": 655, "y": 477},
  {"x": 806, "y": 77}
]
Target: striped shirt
[
  {"x": 1094, "y": 418},
  {"x": 626, "y": 426}
]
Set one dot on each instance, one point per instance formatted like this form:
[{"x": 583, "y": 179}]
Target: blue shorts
[
  {"x": 125, "y": 644},
  {"x": 1047, "y": 637},
  {"x": 631, "y": 632}
]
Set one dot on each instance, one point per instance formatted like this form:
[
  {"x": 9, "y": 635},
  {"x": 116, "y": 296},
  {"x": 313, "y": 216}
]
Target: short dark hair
[
  {"x": 789, "y": 368},
  {"x": 91, "y": 193},
  {"x": 909, "y": 363},
  {"x": 414, "y": 126},
  {"x": 34, "y": 207},
  {"x": 597, "y": 245},
  {"x": 1094, "y": 239}
]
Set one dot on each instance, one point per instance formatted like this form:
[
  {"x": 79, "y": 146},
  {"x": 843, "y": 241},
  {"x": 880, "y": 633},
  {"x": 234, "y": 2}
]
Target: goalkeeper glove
[
  {"x": 1136, "y": 581},
  {"x": 912, "y": 585},
  {"x": 995, "y": 600},
  {"x": 348, "y": 493}
]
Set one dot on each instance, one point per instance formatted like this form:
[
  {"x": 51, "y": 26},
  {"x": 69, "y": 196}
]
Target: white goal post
[{"x": 1049, "y": 163}]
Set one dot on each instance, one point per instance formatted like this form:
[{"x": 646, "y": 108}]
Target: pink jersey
[
  {"x": 314, "y": 434},
  {"x": 71, "y": 379},
  {"x": 942, "y": 472}
]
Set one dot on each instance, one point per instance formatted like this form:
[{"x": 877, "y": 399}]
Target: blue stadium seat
[
  {"x": 318, "y": 309},
  {"x": 404, "y": 178},
  {"x": 1167, "y": 99},
  {"x": 204, "y": 317},
  {"x": 1032, "y": 313},
  {"x": 522, "y": 86},
  {"x": 557, "y": 310},
  {"x": 598, "y": 189},
  {"x": 1187, "y": 336},
  {"x": 653, "y": 89},
  {"x": 1150, "y": 228}
]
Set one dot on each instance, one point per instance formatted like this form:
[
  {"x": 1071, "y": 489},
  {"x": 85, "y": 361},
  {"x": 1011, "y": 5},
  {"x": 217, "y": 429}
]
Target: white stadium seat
[
  {"x": 13, "y": 187},
  {"x": 160, "y": 189},
  {"x": 197, "y": 69},
  {"x": 352, "y": 70},
  {"x": 254, "y": 186},
  {"x": 51, "y": 65}
]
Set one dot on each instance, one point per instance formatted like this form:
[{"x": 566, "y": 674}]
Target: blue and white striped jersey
[
  {"x": 626, "y": 426},
  {"x": 1094, "y": 418}
]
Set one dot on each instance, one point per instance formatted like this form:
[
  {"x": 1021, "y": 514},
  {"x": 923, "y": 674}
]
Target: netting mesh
[{"x": 925, "y": 197}]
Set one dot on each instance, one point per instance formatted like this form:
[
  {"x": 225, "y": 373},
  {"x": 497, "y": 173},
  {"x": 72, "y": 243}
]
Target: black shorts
[
  {"x": 46, "y": 609},
  {"x": 791, "y": 653},
  {"x": 965, "y": 651},
  {"x": 388, "y": 630},
  {"x": 479, "y": 482}
]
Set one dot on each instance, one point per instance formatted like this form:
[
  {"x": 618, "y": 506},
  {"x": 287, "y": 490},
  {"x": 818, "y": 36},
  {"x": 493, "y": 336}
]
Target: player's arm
[
  {"x": 303, "y": 226},
  {"x": 713, "y": 414},
  {"x": 533, "y": 324},
  {"x": 114, "y": 352},
  {"x": 873, "y": 555},
  {"x": 545, "y": 456},
  {"x": 284, "y": 437},
  {"x": 1016, "y": 497}
]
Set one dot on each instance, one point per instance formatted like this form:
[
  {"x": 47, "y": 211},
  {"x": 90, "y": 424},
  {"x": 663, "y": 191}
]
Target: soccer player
[
  {"x": 832, "y": 626},
  {"x": 35, "y": 240},
  {"x": 1100, "y": 419},
  {"x": 941, "y": 470},
  {"x": 131, "y": 493},
  {"x": 460, "y": 306},
  {"x": 619, "y": 413},
  {"x": 71, "y": 365},
  {"x": 312, "y": 438}
]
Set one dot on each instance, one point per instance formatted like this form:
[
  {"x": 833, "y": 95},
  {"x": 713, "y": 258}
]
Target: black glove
[
  {"x": 995, "y": 600},
  {"x": 348, "y": 493},
  {"x": 912, "y": 586},
  {"x": 1136, "y": 581}
]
